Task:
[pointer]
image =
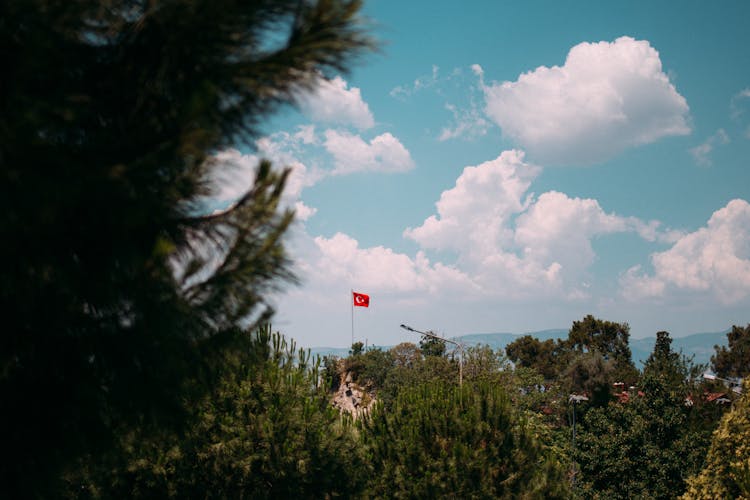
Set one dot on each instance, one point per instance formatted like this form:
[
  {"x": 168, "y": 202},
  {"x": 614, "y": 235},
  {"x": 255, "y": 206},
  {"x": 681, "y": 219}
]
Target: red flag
[{"x": 361, "y": 300}]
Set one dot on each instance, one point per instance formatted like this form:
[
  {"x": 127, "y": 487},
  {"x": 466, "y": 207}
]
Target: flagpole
[{"x": 351, "y": 303}]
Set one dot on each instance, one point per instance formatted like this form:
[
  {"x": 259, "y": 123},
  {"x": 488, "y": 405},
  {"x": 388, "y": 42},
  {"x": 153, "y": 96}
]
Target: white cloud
[
  {"x": 473, "y": 216},
  {"x": 425, "y": 81},
  {"x": 714, "y": 260},
  {"x": 605, "y": 98},
  {"x": 559, "y": 229},
  {"x": 351, "y": 153},
  {"x": 233, "y": 172},
  {"x": 341, "y": 260},
  {"x": 513, "y": 245},
  {"x": 302, "y": 212},
  {"x": 331, "y": 101},
  {"x": 467, "y": 123},
  {"x": 701, "y": 153}
]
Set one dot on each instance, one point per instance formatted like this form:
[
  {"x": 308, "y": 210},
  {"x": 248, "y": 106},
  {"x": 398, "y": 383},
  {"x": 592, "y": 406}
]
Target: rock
[{"x": 352, "y": 399}]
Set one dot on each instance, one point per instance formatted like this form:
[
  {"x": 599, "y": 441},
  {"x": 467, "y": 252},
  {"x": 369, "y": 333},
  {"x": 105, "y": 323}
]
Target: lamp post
[
  {"x": 458, "y": 345},
  {"x": 735, "y": 384},
  {"x": 576, "y": 399}
]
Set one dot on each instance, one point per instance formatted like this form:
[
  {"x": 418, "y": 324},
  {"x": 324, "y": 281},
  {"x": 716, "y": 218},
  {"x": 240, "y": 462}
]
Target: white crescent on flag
[{"x": 361, "y": 299}]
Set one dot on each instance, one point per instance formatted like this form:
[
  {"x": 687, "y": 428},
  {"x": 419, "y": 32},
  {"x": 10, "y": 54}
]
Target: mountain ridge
[{"x": 698, "y": 345}]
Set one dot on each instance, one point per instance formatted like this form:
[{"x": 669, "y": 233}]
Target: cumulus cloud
[
  {"x": 328, "y": 262},
  {"x": 333, "y": 101},
  {"x": 714, "y": 260},
  {"x": 351, "y": 153},
  {"x": 702, "y": 153},
  {"x": 347, "y": 153},
  {"x": 559, "y": 229},
  {"x": 608, "y": 96},
  {"x": 473, "y": 216},
  {"x": 513, "y": 244},
  {"x": 303, "y": 212}
]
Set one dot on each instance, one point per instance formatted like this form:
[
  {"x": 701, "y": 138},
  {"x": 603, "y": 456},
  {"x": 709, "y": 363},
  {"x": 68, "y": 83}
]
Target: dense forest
[
  {"x": 274, "y": 426},
  {"x": 136, "y": 355}
]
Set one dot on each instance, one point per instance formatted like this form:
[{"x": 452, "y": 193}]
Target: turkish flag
[{"x": 361, "y": 300}]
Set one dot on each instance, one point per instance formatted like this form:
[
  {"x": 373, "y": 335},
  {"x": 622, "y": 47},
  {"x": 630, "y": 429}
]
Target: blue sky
[{"x": 512, "y": 167}]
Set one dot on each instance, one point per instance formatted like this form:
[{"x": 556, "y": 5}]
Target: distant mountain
[
  {"x": 500, "y": 340},
  {"x": 700, "y": 345},
  {"x": 341, "y": 352}
]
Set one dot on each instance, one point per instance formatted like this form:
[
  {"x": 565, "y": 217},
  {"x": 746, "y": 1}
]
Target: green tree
[
  {"x": 674, "y": 368},
  {"x": 372, "y": 368},
  {"x": 646, "y": 447},
  {"x": 482, "y": 363},
  {"x": 609, "y": 339},
  {"x": 733, "y": 360},
  {"x": 443, "y": 441},
  {"x": 120, "y": 291},
  {"x": 357, "y": 349},
  {"x": 431, "y": 346},
  {"x": 727, "y": 470},
  {"x": 548, "y": 357},
  {"x": 267, "y": 431},
  {"x": 405, "y": 355},
  {"x": 589, "y": 374},
  {"x": 332, "y": 367}
]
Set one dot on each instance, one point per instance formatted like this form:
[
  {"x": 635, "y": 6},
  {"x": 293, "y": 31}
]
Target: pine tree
[
  {"x": 444, "y": 441},
  {"x": 120, "y": 292},
  {"x": 268, "y": 430}
]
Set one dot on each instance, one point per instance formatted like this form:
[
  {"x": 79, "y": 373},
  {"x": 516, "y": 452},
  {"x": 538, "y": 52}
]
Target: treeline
[
  {"x": 616, "y": 431},
  {"x": 269, "y": 429}
]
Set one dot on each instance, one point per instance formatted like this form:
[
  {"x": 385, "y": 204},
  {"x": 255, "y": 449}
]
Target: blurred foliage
[{"x": 121, "y": 294}]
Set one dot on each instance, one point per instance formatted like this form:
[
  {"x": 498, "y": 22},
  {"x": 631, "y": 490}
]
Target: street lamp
[
  {"x": 575, "y": 399},
  {"x": 457, "y": 344},
  {"x": 735, "y": 384}
]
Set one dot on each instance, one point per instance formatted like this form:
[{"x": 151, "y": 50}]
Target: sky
[{"x": 515, "y": 166}]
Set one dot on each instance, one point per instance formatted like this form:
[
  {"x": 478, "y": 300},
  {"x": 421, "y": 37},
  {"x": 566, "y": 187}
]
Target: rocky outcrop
[{"x": 351, "y": 398}]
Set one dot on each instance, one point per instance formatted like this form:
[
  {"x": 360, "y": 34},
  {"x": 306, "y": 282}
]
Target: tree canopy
[
  {"x": 733, "y": 360},
  {"x": 727, "y": 470},
  {"x": 121, "y": 289},
  {"x": 466, "y": 442}
]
